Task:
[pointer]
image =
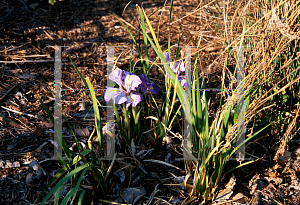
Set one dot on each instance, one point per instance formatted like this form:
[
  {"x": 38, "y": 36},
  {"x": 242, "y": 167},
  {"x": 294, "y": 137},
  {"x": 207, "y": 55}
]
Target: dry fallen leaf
[
  {"x": 276, "y": 166},
  {"x": 238, "y": 196},
  {"x": 286, "y": 156},
  {"x": 282, "y": 163},
  {"x": 83, "y": 132},
  {"x": 226, "y": 193},
  {"x": 132, "y": 195},
  {"x": 274, "y": 175},
  {"x": 231, "y": 183}
]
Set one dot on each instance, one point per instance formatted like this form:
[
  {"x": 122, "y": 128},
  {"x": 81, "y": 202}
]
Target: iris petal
[
  {"x": 116, "y": 76},
  {"x": 125, "y": 74},
  {"x": 166, "y": 55},
  {"x": 132, "y": 82},
  {"x": 154, "y": 89},
  {"x": 136, "y": 99},
  {"x": 178, "y": 66},
  {"x": 181, "y": 67},
  {"x": 120, "y": 98},
  {"x": 144, "y": 78},
  {"x": 110, "y": 93},
  {"x": 183, "y": 82}
]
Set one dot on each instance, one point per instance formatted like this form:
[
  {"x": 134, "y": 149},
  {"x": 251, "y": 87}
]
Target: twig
[
  {"x": 21, "y": 113},
  {"x": 28, "y": 56},
  {"x": 8, "y": 91},
  {"x": 11, "y": 49},
  {"x": 152, "y": 195},
  {"x": 30, "y": 61},
  {"x": 48, "y": 35},
  {"x": 125, "y": 21},
  {"x": 10, "y": 122},
  {"x": 126, "y": 7}
]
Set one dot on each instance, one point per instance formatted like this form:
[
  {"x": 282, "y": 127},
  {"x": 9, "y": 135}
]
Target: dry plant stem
[
  {"x": 287, "y": 135},
  {"x": 14, "y": 48},
  {"x": 160, "y": 17},
  {"x": 3, "y": 96},
  {"x": 152, "y": 195},
  {"x": 206, "y": 5},
  {"x": 126, "y": 7},
  {"x": 252, "y": 112},
  {"x": 126, "y": 22},
  {"x": 21, "y": 113}
]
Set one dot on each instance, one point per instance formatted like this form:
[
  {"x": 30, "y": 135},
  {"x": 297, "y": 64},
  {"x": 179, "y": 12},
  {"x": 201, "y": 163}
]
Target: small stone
[
  {"x": 29, "y": 178},
  {"x": 37, "y": 168},
  {"x": 33, "y": 6}
]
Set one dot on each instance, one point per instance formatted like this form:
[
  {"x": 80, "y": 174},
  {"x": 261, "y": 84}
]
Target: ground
[{"x": 28, "y": 31}]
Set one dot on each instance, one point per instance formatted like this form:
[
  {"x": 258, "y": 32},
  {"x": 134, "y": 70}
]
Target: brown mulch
[{"x": 29, "y": 28}]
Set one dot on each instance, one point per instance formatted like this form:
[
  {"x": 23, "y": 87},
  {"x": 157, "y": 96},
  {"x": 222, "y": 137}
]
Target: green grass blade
[
  {"x": 81, "y": 197},
  {"x": 71, "y": 193},
  {"x": 56, "y": 177},
  {"x": 63, "y": 180},
  {"x": 57, "y": 194},
  {"x": 145, "y": 44},
  {"x": 77, "y": 185},
  {"x": 98, "y": 122},
  {"x": 157, "y": 49}
]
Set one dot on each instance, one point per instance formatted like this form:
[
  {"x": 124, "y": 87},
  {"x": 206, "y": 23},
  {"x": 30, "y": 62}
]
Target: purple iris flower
[
  {"x": 128, "y": 83},
  {"x": 177, "y": 67},
  {"x": 182, "y": 80},
  {"x": 146, "y": 86}
]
